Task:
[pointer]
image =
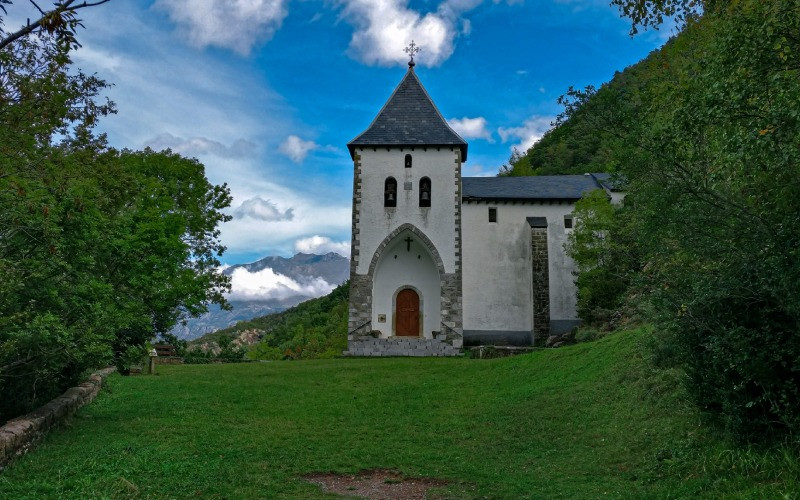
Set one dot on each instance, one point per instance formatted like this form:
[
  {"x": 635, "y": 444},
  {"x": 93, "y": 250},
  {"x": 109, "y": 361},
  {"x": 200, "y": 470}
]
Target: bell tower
[{"x": 405, "y": 268}]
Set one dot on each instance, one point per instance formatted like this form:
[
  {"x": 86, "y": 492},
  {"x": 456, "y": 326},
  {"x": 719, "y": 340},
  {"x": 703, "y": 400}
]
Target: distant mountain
[
  {"x": 331, "y": 267},
  {"x": 302, "y": 268}
]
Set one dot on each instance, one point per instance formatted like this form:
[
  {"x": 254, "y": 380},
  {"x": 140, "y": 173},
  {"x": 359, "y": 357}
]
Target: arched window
[
  {"x": 424, "y": 192},
  {"x": 408, "y": 161},
  {"x": 390, "y": 192}
]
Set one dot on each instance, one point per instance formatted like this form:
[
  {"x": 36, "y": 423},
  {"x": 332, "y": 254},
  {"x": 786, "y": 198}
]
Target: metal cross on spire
[{"x": 412, "y": 50}]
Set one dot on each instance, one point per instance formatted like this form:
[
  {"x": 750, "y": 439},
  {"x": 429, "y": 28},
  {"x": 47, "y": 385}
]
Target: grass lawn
[{"x": 585, "y": 421}]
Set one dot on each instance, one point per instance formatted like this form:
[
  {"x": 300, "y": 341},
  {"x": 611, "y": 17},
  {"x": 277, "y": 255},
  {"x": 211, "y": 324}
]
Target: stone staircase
[{"x": 401, "y": 346}]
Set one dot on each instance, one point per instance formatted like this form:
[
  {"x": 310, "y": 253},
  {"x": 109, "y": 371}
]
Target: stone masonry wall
[
  {"x": 452, "y": 296},
  {"x": 541, "y": 285},
  {"x": 20, "y": 435},
  {"x": 360, "y": 309}
]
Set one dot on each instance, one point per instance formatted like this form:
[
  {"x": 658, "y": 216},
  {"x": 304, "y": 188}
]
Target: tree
[
  {"x": 605, "y": 253},
  {"x": 61, "y": 22},
  {"x": 652, "y": 13},
  {"x": 100, "y": 249},
  {"x": 707, "y": 138}
]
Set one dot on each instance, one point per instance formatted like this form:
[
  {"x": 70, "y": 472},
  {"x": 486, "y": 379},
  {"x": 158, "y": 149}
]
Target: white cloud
[
  {"x": 165, "y": 87},
  {"x": 528, "y": 133},
  {"x": 267, "y": 284},
  {"x": 384, "y": 27},
  {"x": 479, "y": 171},
  {"x": 471, "y": 128},
  {"x": 296, "y": 148},
  {"x": 322, "y": 245},
  {"x": 261, "y": 209},
  {"x": 231, "y": 24},
  {"x": 197, "y": 146}
]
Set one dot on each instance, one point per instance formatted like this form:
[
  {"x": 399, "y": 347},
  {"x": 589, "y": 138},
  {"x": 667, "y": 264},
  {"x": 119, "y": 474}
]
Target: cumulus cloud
[
  {"x": 384, "y": 27},
  {"x": 322, "y": 245},
  {"x": 528, "y": 133},
  {"x": 479, "y": 171},
  {"x": 267, "y": 284},
  {"x": 231, "y": 24},
  {"x": 261, "y": 209},
  {"x": 471, "y": 128},
  {"x": 296, "y": 148},
  {"x": 197, "y": 146}
]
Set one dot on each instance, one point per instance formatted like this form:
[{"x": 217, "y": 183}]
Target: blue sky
[{"x": 267, "y": 93}]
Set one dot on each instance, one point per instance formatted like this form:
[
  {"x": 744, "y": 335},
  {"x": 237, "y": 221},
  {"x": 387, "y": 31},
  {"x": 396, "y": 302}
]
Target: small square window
[
  {"x": 567, "y": 222},
  {"x": 492, "y": 214}
]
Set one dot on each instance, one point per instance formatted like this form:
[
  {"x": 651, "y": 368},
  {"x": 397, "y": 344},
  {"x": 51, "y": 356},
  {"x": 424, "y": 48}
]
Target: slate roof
[
  {"x": 409, "y": 118},
  {"x": 612, "y": 182},
  {"x": 544, "y": 187}
]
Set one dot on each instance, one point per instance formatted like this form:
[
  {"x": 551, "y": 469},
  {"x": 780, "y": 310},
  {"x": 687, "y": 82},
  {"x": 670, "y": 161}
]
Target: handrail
[
  {"x": 354, "y": 330},
  {"x": 451, "y": 329}
]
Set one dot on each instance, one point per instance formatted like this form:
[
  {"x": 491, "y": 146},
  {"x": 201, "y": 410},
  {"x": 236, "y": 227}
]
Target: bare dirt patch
[{"x": 376, "y": 484}]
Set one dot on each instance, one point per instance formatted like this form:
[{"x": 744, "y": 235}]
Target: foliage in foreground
[
  {"x": 99, "y": 249},
  {"x": 316, "y": 328},
  {"x": 587, "y": 421},
  {"x": 706, "y": 137}
]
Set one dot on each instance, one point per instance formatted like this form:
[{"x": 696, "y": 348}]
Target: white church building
[{"x": 440, "y": 261}]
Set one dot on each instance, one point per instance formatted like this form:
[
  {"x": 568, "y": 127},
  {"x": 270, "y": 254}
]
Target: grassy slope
[{"x": 582, "y": 421}]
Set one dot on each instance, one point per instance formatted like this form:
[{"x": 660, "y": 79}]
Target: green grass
[{"x": 585, "y": 421}]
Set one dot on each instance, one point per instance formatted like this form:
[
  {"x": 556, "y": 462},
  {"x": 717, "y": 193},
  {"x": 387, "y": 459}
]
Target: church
[{"x": 440, "y": 261}]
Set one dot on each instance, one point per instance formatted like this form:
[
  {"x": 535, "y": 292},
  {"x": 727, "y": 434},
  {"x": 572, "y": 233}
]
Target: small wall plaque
[
  {"x": 408, "y": 186},
  {"x": 381, "y": 318}
]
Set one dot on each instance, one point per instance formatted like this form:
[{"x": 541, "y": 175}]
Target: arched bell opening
[
  {"x": 425, "y": 192},
  {"x": 390, "y": 192}
]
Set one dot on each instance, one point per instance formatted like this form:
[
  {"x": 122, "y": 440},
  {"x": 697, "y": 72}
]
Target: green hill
[
  {"x": 586, "y": 421},
  {"x": 580, "y": 143},
  {"x": 316, "y": 328}
]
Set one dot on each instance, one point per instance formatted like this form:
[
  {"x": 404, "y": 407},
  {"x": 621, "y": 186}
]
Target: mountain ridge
[{"x": 302, "y": 268}]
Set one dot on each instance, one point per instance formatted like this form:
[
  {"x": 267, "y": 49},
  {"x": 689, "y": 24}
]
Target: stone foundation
[{"x": 401, "y": 346}]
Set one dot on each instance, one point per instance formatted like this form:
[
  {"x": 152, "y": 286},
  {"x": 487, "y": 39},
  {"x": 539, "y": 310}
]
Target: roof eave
[
  {"x": 463, "y": 147},
  {"x": 518, "y": 199}
]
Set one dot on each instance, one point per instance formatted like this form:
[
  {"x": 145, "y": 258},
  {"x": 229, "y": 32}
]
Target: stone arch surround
[
  {"x": 360, "y": 313},
  {"x": 437, "y": 259},
  {"x": 418, "y": 270}
]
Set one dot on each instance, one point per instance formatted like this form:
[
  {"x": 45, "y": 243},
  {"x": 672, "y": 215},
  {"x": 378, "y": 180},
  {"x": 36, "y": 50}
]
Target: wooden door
[{"x": 407, "y": 318}]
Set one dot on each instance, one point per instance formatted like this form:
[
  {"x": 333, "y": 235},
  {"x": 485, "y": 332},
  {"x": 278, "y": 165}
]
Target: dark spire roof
[{"x": 409, "y": 118}]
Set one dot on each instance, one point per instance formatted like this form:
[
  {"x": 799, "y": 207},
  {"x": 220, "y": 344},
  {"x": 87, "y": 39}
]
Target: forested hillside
[
  {"x": 580, "y": 142},
  {"x": 316, "y": 328},
  {"x": 707, "y": 244}
]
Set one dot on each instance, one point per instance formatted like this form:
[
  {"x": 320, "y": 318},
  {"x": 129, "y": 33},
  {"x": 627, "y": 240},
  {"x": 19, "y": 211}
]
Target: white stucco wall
[
  {"x": 617, "y": 197},
  {"x": 400, "y": 267},
  {"x": 437, "y": 222},
  {"x": 497, "y": 265}
]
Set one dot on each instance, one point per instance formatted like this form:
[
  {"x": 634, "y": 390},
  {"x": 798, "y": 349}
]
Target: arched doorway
[{"x": 407, "y": 314}]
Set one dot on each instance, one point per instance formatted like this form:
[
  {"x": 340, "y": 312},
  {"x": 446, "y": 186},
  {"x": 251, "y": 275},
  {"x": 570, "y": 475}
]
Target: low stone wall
[
  {"x": 21, "y": 434},
  {"x": 492, "y": 351},
  {"x": 169, "y": 360}
]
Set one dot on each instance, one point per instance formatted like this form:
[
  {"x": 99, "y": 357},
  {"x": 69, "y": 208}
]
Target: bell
[
  {"x": 390, "y": 197},
  {"x": 426, "y": 196}
]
